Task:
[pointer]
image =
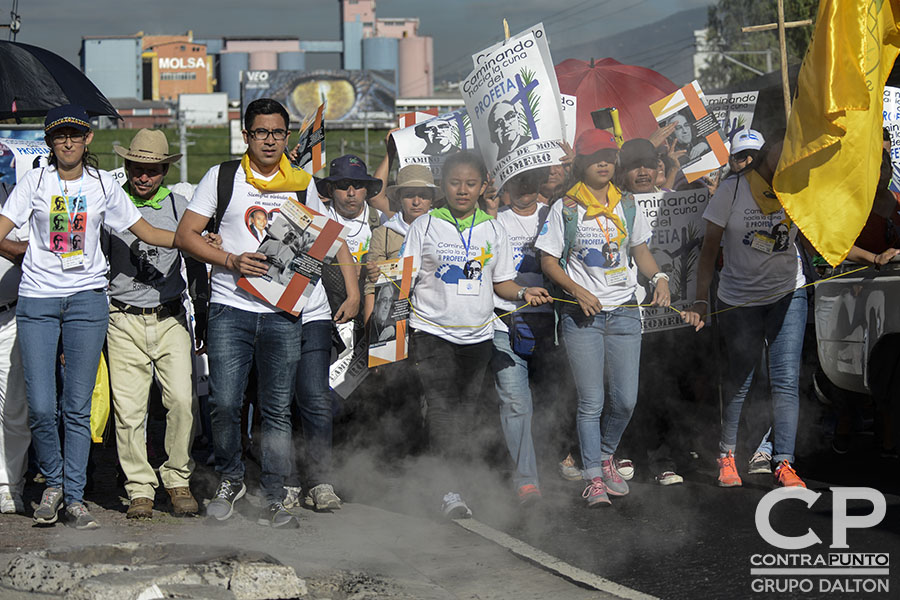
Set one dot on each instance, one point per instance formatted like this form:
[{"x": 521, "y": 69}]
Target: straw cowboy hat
[
  {"x": 148, "y": 146},
  {"x": 413, "y": 176}
]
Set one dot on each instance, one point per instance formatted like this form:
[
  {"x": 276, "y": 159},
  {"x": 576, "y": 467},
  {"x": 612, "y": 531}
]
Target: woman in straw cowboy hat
[
  {"x": 412, "y": 196},
  {"x": 62, "y": 295}
]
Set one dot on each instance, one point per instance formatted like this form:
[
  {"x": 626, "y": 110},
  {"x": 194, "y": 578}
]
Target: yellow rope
[{"x": 776, "y": 295}]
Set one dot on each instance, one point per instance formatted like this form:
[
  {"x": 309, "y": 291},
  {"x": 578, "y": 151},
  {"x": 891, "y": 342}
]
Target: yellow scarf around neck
[
  {"x": 593, "y": 207},
  {"x": 762, "y": 193},
  {"x": 289, "y": 177}
]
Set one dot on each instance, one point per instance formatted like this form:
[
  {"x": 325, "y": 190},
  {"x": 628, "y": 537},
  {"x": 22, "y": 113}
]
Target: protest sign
[
  {"x": 678, "y": 228},
  {"x": 388, "y": 333},
  {"x": 891, "y": 116},
  {"x": 430, "y": 142},
  {"x": 569, "y": 106},
  {"x": 350, "y": 367},
  {"x": 311, "y": 146},
  {"x": 697, "y": 132},
  {"x": 515, "y": 111},
  {"x": 413, "y": 118},
  {"x": 18, "y": 156},
  {"x": 297, "y": 243},
  {"x": 733, "y": 111}
]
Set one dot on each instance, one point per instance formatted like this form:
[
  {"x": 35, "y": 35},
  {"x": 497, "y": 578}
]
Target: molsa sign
[{"x": 181, "y": 63}]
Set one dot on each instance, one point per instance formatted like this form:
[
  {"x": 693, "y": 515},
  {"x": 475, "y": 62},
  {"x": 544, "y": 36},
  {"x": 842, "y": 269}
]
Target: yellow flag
[{"x": 828, "y": 171}]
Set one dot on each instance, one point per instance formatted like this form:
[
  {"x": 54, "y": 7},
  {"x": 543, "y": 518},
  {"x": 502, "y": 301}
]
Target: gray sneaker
[
  {"x": 277, "y": 516},
  {"x": 615, "y": 485},
  {"x": 761, "y": 462},
  {"x": 80, "y": 517},
  {"x": 221, "y": 507},
  {"x": 322, "y": 497},
  {"x": 47, "y": 511},
  {"x": 291, "y": 496}
]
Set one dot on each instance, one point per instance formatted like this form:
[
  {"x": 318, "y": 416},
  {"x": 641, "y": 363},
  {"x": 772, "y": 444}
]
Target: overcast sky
[{"x": 459, "y": 27}]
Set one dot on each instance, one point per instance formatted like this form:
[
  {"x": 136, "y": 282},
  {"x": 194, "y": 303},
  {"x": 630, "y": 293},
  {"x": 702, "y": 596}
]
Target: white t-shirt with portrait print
[
  {"x": 236, "y": 231},
  {"x": 357, "y": 234},
  {"x": 599, "y": 260},
  {"x": 439, "y": 307},
  {"x": 523, "y": 231},
  {"x": 753, "y": 271},
  {"x": 64, "y": 217}
]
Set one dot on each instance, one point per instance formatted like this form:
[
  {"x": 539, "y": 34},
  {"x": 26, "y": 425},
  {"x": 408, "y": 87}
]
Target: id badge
[
  {"x": 763, "y": 243},
  {"x": 468, "y": 287},
  {"x": 616, "y": 276},
  {"x": 72, "y": 260}
]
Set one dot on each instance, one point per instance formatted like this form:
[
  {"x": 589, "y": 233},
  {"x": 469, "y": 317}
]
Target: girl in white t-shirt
[
  {"x": 464, "y": 258},
  {"x": 62, "y": 306},
  {"x": 761, "y": 302},
  {"x": 603, "y": 338}
]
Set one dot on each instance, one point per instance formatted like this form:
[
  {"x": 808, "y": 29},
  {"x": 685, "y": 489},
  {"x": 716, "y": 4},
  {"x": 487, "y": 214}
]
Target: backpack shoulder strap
[
  {"x": 224, "y": 189},
  {"x": 570, "y": 230}
]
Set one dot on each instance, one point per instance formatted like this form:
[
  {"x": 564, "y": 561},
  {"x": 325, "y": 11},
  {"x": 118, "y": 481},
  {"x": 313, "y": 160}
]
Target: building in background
[
  {"x": 114, "y": 64},
  {"x": 163, "y": 67}
]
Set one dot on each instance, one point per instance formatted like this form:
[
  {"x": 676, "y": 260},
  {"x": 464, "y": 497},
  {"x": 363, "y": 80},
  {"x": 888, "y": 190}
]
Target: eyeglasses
[
  {"x": 263, "y": 134},
  {"x": 60, "y": 138},
  {"x": 346, "y": 184}
]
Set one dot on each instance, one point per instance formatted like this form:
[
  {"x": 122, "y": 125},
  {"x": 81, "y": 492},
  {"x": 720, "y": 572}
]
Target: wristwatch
[
  {"x": 655, "y": 279},
  {"x": 521, "y": 293}
]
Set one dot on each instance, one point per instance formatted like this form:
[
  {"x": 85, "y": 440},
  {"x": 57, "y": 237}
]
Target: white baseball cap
[{"x": 748, "y": 139}]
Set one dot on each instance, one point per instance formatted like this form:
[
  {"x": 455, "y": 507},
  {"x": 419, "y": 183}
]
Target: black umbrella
[{"x": 34, "y": 80}]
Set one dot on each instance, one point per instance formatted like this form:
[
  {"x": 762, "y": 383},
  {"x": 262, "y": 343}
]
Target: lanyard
[
  {"x": 603, "y": 229},
  {"x": 66, "y": 197},
  {"x": 465, "y": 244}
]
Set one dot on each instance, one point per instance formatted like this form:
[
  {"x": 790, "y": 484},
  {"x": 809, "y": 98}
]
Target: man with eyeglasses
[{"x": 243, "y": 328}]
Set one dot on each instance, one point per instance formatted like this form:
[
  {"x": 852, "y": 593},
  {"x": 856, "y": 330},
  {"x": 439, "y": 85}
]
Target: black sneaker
[
  {"x": 221, "y": 506},
  {"x": 276, "y": 515},
  {"x": 80, "y": 517}
]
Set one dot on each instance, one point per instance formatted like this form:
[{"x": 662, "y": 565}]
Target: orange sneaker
[
  {"x": 728, "y": 473},
  {"x": 786, "y": 476},
  {"x": 529, "y": 494}
]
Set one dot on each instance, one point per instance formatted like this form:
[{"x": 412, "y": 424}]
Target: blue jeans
[
  {"x": 81, "y": 320},
  {"x": 516, "y": 409},
  {"x": 745, "y": 330},
  {"x": 607, "y": 346},
  {"x": 314, "y": 400},
  {"x": 235, "y": 337}
]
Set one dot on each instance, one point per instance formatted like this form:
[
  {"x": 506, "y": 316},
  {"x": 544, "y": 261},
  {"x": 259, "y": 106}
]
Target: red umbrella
[{"x": 608, "y": 83}]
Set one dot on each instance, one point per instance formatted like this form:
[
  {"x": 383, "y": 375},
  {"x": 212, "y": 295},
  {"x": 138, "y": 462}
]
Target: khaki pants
[{"x": 140, "y": 346}]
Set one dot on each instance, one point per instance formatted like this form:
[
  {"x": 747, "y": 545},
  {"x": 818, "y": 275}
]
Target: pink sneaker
[{"x": 595, "y": 493}]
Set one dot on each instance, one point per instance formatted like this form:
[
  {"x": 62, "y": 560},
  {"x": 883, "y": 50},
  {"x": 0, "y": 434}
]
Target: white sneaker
[
  {"x": 625, "y": 467},
  {"x": 669, "y": 478},
  {"x": 291, "y": 497},
  {"x": 322, "y": 497},
  {"x": 11, "y": 503},
  {"x": 455, "y": 507}
]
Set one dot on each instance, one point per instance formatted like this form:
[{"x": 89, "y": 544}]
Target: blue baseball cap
[{"x": 68, "y": 115}]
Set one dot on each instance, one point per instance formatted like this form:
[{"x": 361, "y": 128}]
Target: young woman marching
[
  {"x": 63, "y": 294},
  {"x": 602, "y": 338},
  {"x": 464, "y": 258}
]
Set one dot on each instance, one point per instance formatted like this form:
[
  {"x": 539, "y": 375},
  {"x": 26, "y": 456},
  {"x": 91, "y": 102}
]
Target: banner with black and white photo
[
  {"x": 676, "y": 219},
  {"x": 513, "y": 102},
  {"x": 430, "y": 142}
]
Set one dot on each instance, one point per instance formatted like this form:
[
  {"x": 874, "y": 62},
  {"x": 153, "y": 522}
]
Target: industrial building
[{"x": 161, "y": 67}]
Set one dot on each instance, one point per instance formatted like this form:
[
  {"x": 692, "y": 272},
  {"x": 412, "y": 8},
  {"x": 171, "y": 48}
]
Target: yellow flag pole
[{"x": 505, "y": 30}]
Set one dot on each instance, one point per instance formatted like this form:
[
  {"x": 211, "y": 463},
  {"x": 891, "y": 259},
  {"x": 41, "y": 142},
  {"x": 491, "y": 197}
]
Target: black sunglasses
[{"x": 346, "y": 184}]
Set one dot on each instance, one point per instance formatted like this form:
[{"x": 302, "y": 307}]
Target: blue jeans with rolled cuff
[
  {"x": 745, "y": 330},
  {"x": 601, "y": 348}
]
